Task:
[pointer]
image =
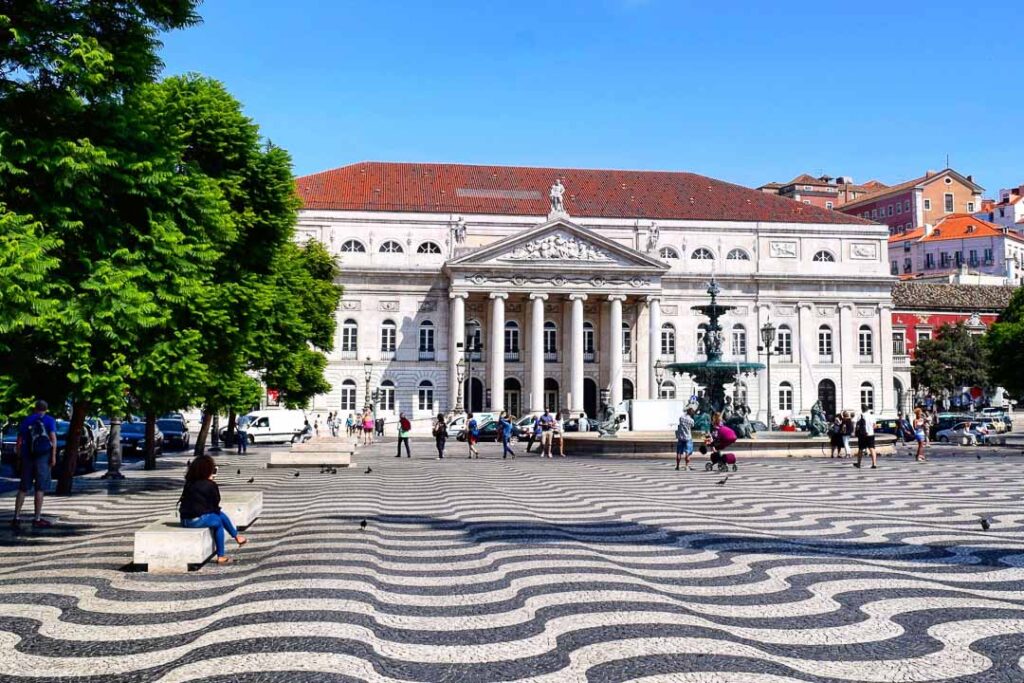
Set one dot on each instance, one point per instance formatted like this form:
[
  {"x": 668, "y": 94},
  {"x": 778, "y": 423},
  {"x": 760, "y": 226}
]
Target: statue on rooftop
[{"x": 557, "y": 190}]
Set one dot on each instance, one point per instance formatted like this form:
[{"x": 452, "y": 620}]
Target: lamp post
[
  {"x": 659, "y": 376},
  {"x": 460, "y": 375},
  {"x": 472, "y": 346},
  {"x": 368, "y": 373},
  {"x": 767, "y": 339}
]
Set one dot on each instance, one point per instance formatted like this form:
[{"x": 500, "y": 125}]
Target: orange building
[{"x": 918, "y": 202}]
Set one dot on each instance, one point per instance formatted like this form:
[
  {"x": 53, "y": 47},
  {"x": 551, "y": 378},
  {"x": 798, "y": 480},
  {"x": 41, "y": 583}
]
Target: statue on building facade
[
  {"x": 557, "y": 205},
  {"x": 653, "y": 236},
  {"x": 459, "y": 230}
]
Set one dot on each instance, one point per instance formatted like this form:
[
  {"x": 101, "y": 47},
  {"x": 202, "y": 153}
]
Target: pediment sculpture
[{"x": 557, "y": 248}]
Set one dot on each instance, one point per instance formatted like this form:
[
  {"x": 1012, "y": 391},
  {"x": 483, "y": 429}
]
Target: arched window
[
  {"x": 627, "y": 390},
  {"x": 702, "y": 254},
  {"x": 701, "y": 331},
  {"x": 550, "y": 341},
  {"x": 739, "y": 341},
  {"x": 386, "y": 396},
  {"x": 511, "y": 341},
  {"x": 865, "y": 343},
  {"x": 668, "y": 340},
  {"x": 824, "y": 257},
  {"x": 825, "y": 344},
  {"x": 391, "y": 247},
  {"x": 426, "y": 339},
  {"x": 784, "y": 339},
  {"x": 737, "y": 255},
  {"x": 348, "y": 395},
  {"x": 668, "y": 253},
  {"x": 588, "y": 342},
  {"x": 353, "y": 247},
  {"x": 428, "y": 248},
  {"x": 388, "y": 337},
  {"x": 350, "y": 337},
  {"x": 627, "y": 340},
  {"x": 668, "y": 390},
  {"x": 785, "y": 396},
  {"x": 867, "y": 396},
  {"x": 425, "y": 397}
]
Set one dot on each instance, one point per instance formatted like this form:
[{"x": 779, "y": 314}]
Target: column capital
[
  {"x": 883, "y": 307},
  {"x": 499, "y": 295},
  {"x": 804, "y": 305},
  {"x": 616, "y": 297},
  {"x": 764, "y": 306},
  {"x": 577, "y": 297},
  {"x": 535, "y": 296},
  {"x": 458, "y": 295},
  {"x": 845, "y": 304},
  {"x": 653, "y": 298}
]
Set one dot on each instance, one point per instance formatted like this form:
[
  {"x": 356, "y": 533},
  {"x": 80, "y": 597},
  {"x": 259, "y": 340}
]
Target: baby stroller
[{"x": 721, "y": 438}]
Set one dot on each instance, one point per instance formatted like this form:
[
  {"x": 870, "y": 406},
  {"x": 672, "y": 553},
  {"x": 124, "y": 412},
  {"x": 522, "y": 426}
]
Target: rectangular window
[
  {"x": 511, "y": 340},
  {"x": 425, "y": 401},
  {"x": 899, "y": 207},
  {"x": 970, "y": 207},
  {"x": 627, "y": 341},
  {"x": 550, "y": 341},
  {"x": 906, "y": 206},
  {"x": 895, "y": 268},
  {"x": 874, "y": 213},
  {"x": 427, "y": 339},
  {"x": 668, "y": 343},
  {"x": 948, "y": 202},
  {"x": 973, "y": 257},
  {"x": 739, "y": 343},
  {"x": 865, "y": 344},
  {"x": 890, "y": 210},
  {"x": 348, "y": 398},
  {"x": 388, "y": 338},
  {"x": 825, "y": 345},
  {"x": 867, "y": 397},
  {"x": 929, "y": 260},
  {"x": 958, "y": 258},
  {"x": 927, "y": 205},
  {"x": 923, "y": 335},
  {"x": 907, "y": 265},
  {"x": 988, "y": 255},
  {"x": 387, "y": 398},
  {"x": 348, "y": 338},
  {"x": 828, "y": 205},
  {"x": 899, "y": 344},
  {"x": 785, "y": 397},
  {"x": 785, "y": 347}
]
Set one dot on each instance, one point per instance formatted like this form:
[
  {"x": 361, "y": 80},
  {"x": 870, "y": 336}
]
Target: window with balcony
[
  {"x": 668, "y": 341},
  {"x": 929, "y": 261},
  {"x": 865, "y": 343},
  {"x": 825, "y": 344},
  {"x": 899, "y": 343},
  {"x": 349, "y": 339},
  {"x": 550, "y": 342},
  {"x": 784, "y": 343},
  {"x": 988, "y": 256},
  {"x": 388, "y": 339},
  {"x": 588, "y": 342},
  {"x": 972, "y": 257},
  {"x": 426, "y": 339},
  {"x": 512, "y": 341}
]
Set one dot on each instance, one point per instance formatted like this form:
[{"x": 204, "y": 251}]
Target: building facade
[
  {"x": 919, "y": 202},
  {"x": 824, "y": 191},
  {"x": 958, "y": 246},
  {"x": 513, "y": 288},
  {"x": 1008, "y": 211}
]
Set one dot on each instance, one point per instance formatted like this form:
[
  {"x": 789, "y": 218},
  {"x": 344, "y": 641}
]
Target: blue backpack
[{"x": 38, "y": 439}]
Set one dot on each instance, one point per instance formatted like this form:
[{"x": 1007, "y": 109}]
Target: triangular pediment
[{"x": 558, "y": 243}]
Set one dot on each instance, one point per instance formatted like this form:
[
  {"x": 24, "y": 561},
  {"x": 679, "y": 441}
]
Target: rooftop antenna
[{"x": 947, "y": 159}]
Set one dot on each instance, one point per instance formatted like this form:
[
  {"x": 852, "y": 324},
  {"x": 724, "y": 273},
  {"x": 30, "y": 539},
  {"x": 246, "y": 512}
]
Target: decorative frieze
[
  {"x": 864, "y": 251},
  {"x": 636, "y": 282},
  {"x": 826, "y": 311},
  {"x": 388, "y": 306},
  {"x": 782, "y": 249},
  {"x": 351, "y": 305},
  {"x": 557, "y": 247}
]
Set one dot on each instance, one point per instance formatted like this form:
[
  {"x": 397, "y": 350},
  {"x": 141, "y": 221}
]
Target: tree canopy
[
  {"x": 954, "y": 358},
  {"x": 1005, "y": 342}
]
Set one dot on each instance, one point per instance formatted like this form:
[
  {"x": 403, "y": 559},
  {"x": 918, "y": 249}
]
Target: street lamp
[
  {"x": 460, "y": 374},
  {"x": 767, "y": 339},
  {"x": 659, "y": 376},
  {"x": 368, "y": 373}
]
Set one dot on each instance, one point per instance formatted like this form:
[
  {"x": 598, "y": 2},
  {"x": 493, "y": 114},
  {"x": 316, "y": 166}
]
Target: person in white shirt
[
  {"x": 865, "y": 432},
  {"x": 559, "y": 431}
]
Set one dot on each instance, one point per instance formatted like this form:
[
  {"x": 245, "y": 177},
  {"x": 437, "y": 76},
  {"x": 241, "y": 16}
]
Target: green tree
[
  {"x": 1005, "y": 342},
  {"x": 952, "y": 359},
  {"x": 71, "y": 164}
]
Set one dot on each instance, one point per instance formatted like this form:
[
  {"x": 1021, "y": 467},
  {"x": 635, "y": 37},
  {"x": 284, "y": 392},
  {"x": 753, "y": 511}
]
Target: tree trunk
[
  {"x": 231, "y": 428},
  {"x": 72, "y": 443},
  {"x": 204, "y": 431},
  {"x": 114, "y": 450},
  {"x": 150, "y": 441},
  {"x": 215, "y": 432}
]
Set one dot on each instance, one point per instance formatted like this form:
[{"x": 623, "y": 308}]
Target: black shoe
[
  {"x": 677, "y": 468},
  {"x": 399, "y": 455},
  {"x": 873, "y": 467},
  {"x": 504, "y": 456},
  {"x": 857, "y": 465}
]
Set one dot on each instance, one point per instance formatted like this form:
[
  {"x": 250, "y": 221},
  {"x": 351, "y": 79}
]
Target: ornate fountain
[{"x": 713, "y": 373}]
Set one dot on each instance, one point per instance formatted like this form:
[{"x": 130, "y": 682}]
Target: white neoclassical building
[{"x": 565, "y": 287}]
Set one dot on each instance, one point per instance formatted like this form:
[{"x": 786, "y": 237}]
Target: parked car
[
  {"x": 975, "y": 432},
  {"x": 458, "y": 424},
  {"x": 133, "y": 439},
  {"x": 524, "y": 427},
  {"x": 887, "y": 427},
  {"x": 489, "y": 431},
  {"x": 86, "y": 449},
  {"x": 10, "y": 442},
  {"x": 175, "y": 433},
  {"x": 272, "y": 426},
  {"x": 573, "y": 425},
  {"x": 758, "y": 426},
  {"x": 100, "y": 431}
]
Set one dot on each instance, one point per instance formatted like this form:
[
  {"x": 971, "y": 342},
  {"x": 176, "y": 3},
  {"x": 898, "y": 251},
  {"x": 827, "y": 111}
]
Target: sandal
[
  {"x": 241, "y": 540},
  {"x": 224, "y": 560}
]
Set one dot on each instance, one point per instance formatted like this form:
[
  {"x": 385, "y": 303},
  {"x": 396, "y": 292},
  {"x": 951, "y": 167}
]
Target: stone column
[
  {"x": 537, "y": 352},
  {"x": 886, "y": 398},
  {"x": 845, "y": 353},
  {"x": 807, "y": 348},
  {"x": 456, "y": 336},
  {"x": 576, "y": 351},
  {"x": 654, "y": 343},
  {"x": 497, "y": 360},
  {"x": 615, "y": 348}
]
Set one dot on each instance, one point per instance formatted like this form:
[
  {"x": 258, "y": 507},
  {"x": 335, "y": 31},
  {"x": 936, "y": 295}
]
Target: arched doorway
[
  {"x": 474, "y": 395},
  {"x": 551, "y": 395},
  {"x": 827, "y": 396},
  {"x": 513, "y": 396},
  {"x": 589, "y": 397},
  {"x": 627, "y": 390}
]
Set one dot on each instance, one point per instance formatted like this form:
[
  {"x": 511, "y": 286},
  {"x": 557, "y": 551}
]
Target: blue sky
[{"x": 746, "y": 92}]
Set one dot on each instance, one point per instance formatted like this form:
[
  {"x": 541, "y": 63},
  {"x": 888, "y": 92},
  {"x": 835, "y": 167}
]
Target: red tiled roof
[
  {"x": 523, "y": 191},
  {"x": 806, "y": 179},
  {"x": 954, "y": 227}
]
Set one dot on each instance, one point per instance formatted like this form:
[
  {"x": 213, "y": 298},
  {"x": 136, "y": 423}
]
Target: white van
[
  {"x": 270, "y": 426},
  {"x": 458, "y": 424}
]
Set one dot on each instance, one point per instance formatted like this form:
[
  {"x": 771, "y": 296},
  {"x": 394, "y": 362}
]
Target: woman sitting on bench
[{"x": 199, "y": 505}]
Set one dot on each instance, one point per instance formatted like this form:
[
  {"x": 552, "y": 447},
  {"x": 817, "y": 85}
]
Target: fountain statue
[
  {"x": 819, "y": 423},
  {"x": 713, "y": 373}
]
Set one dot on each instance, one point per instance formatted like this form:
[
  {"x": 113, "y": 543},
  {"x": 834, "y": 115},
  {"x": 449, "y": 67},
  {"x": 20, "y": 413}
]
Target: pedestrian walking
[
  {"x": 505, "y": 428},
  {"x": 866, "y": 437},
  {"x": 242, "y": 434},
  {"x": 199, "y": 505},
  {"x": 316, "y": 424},
  {"x": 558, "y": 434},
  {"x": 472, "y": 434},
  {"x": 547, "y": 425},
  {"x": 847, "y": 432},
  {"x": 379, "y": 425},
  {"x": 440, "y": 432},
  {"x": 404, "y": 427},
  {"x": 920, "y": 433},
  {"x": 36, "y": 447},
  {"x": 684, "y": 438},
  {"x": 350, "y": 423},
  {"x": 835, "y": 436},
  {"x": 367, "y": 428},
  {"x": 535, "y": 432}
]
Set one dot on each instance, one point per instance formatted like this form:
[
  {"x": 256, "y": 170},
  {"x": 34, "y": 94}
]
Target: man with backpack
[
  {"x": 866, "y": 437},
  {"x": 37, "y": 449}
]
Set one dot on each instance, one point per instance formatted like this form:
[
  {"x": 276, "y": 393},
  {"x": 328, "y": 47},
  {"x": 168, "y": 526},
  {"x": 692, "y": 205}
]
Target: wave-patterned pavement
[{"x": 540, "y": 570}]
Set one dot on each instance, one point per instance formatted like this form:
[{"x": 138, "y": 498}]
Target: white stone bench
[
  {"x": 166, "y": 547},
  {"x": 334, "y": 458},
  {"x": 324, "y": 447}
]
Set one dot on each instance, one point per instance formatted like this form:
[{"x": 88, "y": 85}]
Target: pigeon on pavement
[
  {"x": 985, "y": 524},
  {"x": 721, "y": 482},
  {"x": 368, "y": 470},
  {"x": 251, "y": 480},
  {"x": 296, "y": 473},
  {"x": 362, "y": 525}
]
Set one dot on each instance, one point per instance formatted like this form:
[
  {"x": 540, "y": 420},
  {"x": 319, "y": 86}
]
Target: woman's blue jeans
[{"x": 217, "y": 521}]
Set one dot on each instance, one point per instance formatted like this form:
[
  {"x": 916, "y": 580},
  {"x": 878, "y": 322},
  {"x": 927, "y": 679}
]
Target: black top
[{"x": 199, "y": 498}]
